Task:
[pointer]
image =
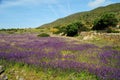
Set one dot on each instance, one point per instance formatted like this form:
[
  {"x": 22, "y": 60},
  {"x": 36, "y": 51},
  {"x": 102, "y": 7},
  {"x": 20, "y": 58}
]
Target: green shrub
[
  {"x": 105, "y": 21},
  {"x": 71, "y": 30},
  {"x": 43, "y": 35},
  {"x": 74, "y": 28}
]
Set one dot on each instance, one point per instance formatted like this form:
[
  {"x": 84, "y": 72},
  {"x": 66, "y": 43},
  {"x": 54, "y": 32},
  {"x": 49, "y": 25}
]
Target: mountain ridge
[{"x": 86, "y": 17}]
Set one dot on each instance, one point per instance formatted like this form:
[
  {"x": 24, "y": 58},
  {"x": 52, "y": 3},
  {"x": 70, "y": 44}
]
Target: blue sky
[{"x": 33, "y": 13}]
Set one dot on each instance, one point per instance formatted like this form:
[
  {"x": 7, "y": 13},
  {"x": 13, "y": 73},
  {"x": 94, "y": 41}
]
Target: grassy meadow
[{"x": 30, "y": 57}]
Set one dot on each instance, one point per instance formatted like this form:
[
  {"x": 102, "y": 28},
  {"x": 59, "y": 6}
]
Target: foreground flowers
[{"x": 60, "y": 53}]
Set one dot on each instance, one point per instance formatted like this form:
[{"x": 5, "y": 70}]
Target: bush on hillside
[
  {"x": 71, "y": 30},
  {"x": 105, "y": 21},
  {"x": 75, "y": 28},
  {"x": 43, "y": 35},
  {"x": 54, "y": 30}
]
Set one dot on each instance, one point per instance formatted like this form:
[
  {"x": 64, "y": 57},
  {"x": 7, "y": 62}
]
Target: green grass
[
  {"x": 14, "y": 71},
  {"x": 90, "y": 58}
]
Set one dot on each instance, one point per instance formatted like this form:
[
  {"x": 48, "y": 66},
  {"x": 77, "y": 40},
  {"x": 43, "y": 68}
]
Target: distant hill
[{"x": 87, "y": 17}]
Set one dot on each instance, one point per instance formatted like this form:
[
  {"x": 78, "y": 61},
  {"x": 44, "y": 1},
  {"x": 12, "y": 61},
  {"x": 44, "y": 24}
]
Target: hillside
[{"x": 86, "y": 17}]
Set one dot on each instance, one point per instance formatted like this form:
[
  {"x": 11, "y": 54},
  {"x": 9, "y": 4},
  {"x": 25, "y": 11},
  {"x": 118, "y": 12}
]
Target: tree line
[{"x": 106, "y": 22}]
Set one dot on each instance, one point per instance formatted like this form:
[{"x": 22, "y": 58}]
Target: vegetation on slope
[
  {"x": 105, "y": 21},
  {"x": 87, "y": 17}
]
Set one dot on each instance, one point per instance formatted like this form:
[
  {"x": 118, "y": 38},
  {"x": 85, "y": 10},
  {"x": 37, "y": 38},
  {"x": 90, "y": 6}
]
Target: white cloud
[
  {"x": 96, "y": 3},
  {"x": 12, "y": 3}
]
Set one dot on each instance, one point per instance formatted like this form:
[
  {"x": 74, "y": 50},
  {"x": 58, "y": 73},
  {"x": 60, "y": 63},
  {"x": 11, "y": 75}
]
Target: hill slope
[{"x": 86, "y": 17}]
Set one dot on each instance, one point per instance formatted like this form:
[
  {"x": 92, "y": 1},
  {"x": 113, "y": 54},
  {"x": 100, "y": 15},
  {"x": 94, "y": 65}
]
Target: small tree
[
  {"x": 71, "y": 30},
  {"x": 79, "y": 25},
  {"x": 105, "y": 21},
  {"x": 74, "y": 28}
]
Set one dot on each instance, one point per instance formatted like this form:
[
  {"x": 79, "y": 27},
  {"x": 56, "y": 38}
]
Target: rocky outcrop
[
  {"x": 1, "y": 69},
  {"x": 3, "y": 76}
]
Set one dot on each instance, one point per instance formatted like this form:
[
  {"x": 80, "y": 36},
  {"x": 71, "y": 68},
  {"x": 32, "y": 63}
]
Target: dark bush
[
  {"x": 71, "y": 30},
  {"x": 43, "y": 35},
  {"x": 105, "y": 21},
  {"x": 74, "y": 28}
]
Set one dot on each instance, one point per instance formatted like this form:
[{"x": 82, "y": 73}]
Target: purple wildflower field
[{"x": 59, "y": 53}]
